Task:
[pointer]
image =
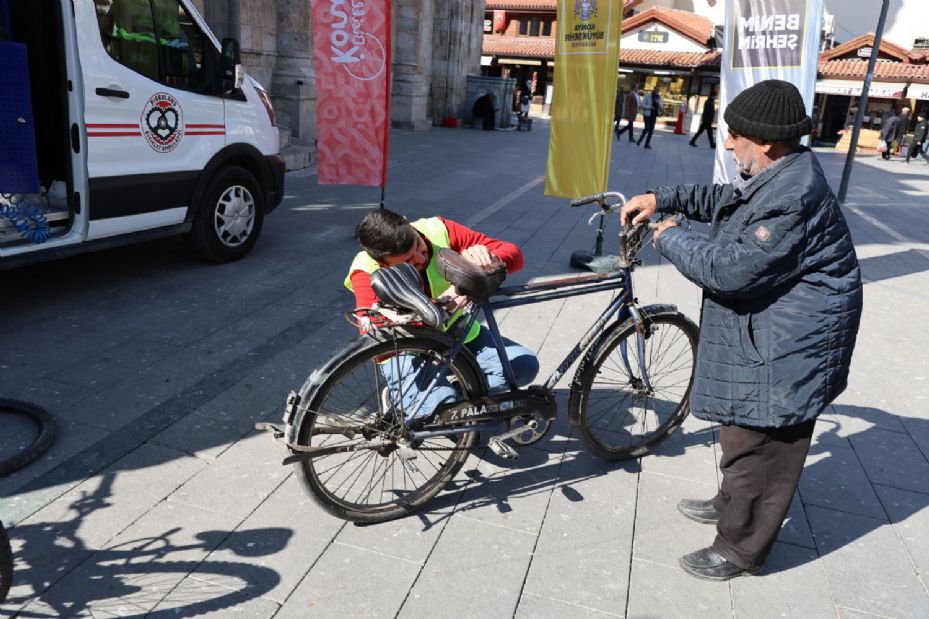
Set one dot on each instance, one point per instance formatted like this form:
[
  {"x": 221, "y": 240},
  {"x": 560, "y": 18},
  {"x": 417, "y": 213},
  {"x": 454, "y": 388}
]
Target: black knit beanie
[{"x": 772, "y": 110}]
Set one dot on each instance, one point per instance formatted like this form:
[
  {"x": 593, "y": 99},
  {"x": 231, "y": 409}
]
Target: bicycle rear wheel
[
  {"x": 360, "y": 406},
  {"x": 619, "y": 416}
]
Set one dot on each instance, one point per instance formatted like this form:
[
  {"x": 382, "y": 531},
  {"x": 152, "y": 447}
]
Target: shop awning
[
  {"x": 884, "y": 90},
  {"x": 918, "y": 91},
  {"x": 522, "y": 61}
]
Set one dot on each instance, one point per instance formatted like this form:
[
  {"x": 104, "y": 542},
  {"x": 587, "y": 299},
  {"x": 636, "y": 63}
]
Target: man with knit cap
[{"x": 781, "y": 306}]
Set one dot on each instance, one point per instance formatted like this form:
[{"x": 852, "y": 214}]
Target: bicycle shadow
[
  {"x": 57, "y": 574},
  {"x": 560, "y": 462}
]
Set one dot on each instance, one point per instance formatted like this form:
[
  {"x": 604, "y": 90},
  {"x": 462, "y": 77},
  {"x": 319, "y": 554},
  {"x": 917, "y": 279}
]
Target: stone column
[
  {"x": 456, "y": 53},
  {"x": 412, "y": 63},
  {"x": 292, "y": 88}
]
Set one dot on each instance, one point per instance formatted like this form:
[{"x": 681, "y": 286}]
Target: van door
[{"x": 153, "y": 111}]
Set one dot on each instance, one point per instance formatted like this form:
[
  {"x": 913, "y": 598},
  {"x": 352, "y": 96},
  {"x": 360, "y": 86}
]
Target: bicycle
[{"x": 368, "y": 452}]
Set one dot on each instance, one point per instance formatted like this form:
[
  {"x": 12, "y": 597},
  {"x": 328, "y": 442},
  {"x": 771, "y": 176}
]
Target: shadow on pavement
[
  {"x": 860, "y": 481},
  {"x": 559, "y": 462},
  {"x": 134, "y": 577}
]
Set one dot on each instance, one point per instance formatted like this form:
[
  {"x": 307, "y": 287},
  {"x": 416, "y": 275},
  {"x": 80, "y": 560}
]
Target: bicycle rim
[
  {"x": 380, "y": 480},
  {"x": 620, "y": 416}
]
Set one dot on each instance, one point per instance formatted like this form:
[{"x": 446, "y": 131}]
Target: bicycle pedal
[{"x": 502, "y": 449}]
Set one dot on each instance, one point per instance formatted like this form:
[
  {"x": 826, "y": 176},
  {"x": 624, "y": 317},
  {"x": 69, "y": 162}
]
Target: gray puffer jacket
[{"x": 782, "y": 293}]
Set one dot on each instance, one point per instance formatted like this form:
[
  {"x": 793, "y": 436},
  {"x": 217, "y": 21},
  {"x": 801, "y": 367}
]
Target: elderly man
[{"x": 781, "y": 307}]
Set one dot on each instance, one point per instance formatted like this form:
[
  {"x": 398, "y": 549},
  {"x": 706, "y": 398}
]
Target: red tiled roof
[
  {"x": 521, "y": 47},
  {"x": 541, "y": 5},
  {"x": 883, "y": 69},
  {"x": 542, "y": 47},
  {"x": 515, "y": 5},
  {"x": 698, "y": 28},
  {"x": 866, "y": 40},
  {"x": 683, "y": 60}
]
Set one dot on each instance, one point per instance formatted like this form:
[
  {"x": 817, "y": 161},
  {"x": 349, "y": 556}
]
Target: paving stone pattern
[{"x": 160, "y": 499}]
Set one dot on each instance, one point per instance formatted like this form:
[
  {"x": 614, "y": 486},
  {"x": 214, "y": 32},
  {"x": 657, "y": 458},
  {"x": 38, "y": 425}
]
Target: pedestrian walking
[
  {"x": 888, "y": 134},
  {"x": 651, "y": 108},
  {"x": 782, "y": 302},
  {"x": 630, "y": 111},
  {"x": 917, "y": 146},
  {"x": 706, "y": 122},
  {"x": 903, "y": 121},
  {"x": 618, "y": 110}
]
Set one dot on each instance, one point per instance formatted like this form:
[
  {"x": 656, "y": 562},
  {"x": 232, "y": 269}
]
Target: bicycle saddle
[
  {"x": 400, "y": 286},
  {"x": 471, "y": 280}
]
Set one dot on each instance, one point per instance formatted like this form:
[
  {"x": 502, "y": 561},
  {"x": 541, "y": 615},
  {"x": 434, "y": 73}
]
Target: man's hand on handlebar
[
  {"x": 667, "y": 223},
  {"x": 642, "y": 207}
]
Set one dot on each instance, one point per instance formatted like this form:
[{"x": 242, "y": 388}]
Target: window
[
  {"x": 180, "y": 56},
  {"x": 547, "y": 28},
  {"x": 534, "y": 27},
  {"x": 524, "y": 26}
]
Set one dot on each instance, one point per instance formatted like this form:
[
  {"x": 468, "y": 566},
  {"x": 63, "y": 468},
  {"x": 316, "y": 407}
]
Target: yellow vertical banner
[{"x": 586, "y": 61}]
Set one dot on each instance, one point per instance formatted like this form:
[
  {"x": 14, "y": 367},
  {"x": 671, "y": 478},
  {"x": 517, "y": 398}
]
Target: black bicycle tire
[
  {"x": 316, "y": 392},
  {"x": 46, "y": 436},
  {"x": 6, "y": 564},
  {"x": 589, "y": 373}
]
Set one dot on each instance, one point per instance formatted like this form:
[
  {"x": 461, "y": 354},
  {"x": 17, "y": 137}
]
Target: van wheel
[{"x": 230, "y": 216}]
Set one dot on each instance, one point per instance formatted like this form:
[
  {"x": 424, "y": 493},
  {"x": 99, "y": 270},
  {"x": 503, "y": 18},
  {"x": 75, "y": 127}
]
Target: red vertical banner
[
  {"x": 351, "y": 44},
  {"x": 499, "y": 21}
]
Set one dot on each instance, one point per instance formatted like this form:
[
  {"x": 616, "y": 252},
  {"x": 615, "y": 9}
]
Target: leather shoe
[
  {"x": 700, "y": 511},
  {"x": 708, "y": 564}
]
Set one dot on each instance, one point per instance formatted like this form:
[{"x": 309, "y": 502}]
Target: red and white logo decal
[
  {"x": 162, "y": 122},
  {"x": 762, "y": 233}
]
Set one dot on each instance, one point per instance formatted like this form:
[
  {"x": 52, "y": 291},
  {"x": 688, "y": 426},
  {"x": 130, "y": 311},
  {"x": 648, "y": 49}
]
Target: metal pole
[{"x": 862, "y": 102}]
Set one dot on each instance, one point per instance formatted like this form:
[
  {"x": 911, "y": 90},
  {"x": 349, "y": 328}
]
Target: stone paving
[{"x": 159, "y": 499}]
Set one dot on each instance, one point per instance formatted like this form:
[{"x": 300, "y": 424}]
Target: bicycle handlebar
[{"x": 601, "y": 198}]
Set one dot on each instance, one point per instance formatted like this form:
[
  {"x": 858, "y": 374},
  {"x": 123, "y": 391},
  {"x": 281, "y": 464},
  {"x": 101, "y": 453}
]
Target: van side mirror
[{"x": 231, "y": 72}]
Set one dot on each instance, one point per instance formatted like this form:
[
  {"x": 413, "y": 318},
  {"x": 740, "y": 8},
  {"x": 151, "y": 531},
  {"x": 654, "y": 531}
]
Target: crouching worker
[{"x": 388, "y": 239}]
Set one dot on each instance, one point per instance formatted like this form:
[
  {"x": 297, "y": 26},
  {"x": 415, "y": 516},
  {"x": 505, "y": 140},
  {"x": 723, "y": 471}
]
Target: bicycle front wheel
[
  {"x": 620, "y": 414},
  {"x": 361, "y": 408}
]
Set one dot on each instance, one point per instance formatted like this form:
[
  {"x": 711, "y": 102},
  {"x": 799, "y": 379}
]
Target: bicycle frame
[{"x": 622, "y": 306}]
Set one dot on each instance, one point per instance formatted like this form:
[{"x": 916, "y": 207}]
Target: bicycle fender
[
  {"x": 310, "y": 388},
  {"x": 648, "y": 312}
]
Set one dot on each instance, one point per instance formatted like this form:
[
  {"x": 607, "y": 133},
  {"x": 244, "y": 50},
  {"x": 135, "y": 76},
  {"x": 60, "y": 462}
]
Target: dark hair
[{"x": 384, "y": 233}]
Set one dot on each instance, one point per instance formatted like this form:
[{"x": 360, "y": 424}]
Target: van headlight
[{"x": 266, "y": 100}]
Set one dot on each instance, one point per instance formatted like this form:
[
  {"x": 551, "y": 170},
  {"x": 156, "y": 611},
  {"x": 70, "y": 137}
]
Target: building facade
[{"x": 436, "y": 44}]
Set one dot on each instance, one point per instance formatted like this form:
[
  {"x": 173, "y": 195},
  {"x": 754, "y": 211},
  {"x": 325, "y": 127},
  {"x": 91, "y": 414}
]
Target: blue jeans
[{"x": 411, "y": 375}]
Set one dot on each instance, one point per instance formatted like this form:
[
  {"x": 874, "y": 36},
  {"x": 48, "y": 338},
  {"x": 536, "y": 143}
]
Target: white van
[{"x": 141, "y": 125}]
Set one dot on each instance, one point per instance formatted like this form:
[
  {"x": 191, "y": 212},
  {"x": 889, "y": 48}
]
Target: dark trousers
[
  {"x": 761, "y": 468},
  {"x": 708, "y": 127},
  {"x": 487, "y": 121},
  {"x": 628, "y": 128},
  {"x": 649, "y": 129},
  {"x": 916, "y": 150}
]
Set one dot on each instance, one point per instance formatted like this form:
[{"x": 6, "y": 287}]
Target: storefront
[
  {"x": 664, "y": 47},
  {"x": 899, "y": 80},
  {"x": 674, "y": 50}
]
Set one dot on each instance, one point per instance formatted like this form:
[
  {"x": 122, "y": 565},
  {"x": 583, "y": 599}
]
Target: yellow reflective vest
[{"x": 433, "y": 229}]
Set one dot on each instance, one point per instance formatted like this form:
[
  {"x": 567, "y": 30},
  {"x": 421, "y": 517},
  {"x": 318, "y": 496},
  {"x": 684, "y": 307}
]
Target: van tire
[{"x": 234, "y": 195}]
